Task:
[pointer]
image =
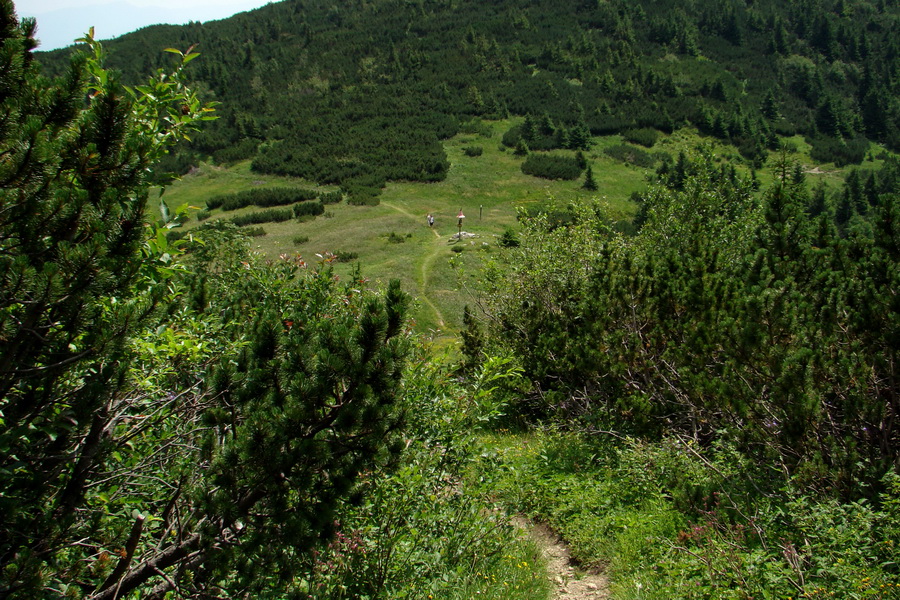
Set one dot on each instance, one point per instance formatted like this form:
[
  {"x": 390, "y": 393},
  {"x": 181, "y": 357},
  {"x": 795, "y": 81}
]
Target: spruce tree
[
  {"x": 529, "y": 129},
  {"x": 521, "y": 147},
  {"x": 589, "y": 183},
  {"x": 769, "y": 106},
  {"x": 580, "y": 136}
]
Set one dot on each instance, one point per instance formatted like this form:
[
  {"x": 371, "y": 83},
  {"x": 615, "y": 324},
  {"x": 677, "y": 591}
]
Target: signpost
[{"x": 459, "y": 219}]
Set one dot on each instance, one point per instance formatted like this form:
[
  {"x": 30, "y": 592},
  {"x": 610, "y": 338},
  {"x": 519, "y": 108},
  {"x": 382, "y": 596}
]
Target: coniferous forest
[
  {"x": 701, "y": 399},
  {"x": 364, "y": 93}
]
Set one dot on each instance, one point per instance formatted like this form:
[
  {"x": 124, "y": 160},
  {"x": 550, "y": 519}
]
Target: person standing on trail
[{"x": 430, "y": 218}]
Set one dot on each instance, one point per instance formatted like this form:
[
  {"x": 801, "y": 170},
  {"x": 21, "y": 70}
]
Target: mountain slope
[{"x": 363, "y": 92}]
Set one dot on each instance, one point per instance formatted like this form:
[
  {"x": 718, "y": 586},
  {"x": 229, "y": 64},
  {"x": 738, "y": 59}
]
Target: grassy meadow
[
  {"x": 393, "y": 240},
  {"x": 487, "y": 188}
]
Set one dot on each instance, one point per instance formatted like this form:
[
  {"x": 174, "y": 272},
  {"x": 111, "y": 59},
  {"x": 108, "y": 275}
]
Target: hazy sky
[{"x": 62, "y": 21}]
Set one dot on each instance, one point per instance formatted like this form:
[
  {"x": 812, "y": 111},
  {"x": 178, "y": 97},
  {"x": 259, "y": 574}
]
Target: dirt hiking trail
[{"x": 569, "y": 581}]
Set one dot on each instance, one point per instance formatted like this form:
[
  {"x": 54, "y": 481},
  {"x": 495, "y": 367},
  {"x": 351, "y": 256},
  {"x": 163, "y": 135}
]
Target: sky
[{"x": 60, "y": 22}]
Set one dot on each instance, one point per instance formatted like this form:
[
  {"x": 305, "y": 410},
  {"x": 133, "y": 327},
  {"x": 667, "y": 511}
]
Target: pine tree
[
  {"x": 529, "y": 129},
  {"x": 818, "y": 204},
  {"x": 72, "y": 190},
  {"x": 769, "y": 106},
  {"x": 875, "y": 110},
  {"x": 580, "y": 136},
  {"x": 547, "y": 128},
  {"x": 779, "y": 43},
  {"x": 829, "y": 118},
  {"x": 581, "y": 160},
  {"x": 562, "y": 138},
  {"x": 589, "y": 183},
  {"x": 521, "y": 147}
]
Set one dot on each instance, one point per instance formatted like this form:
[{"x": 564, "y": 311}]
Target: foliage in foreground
[
  {"x": 200, "y": 423},
  {"x": 729, "y": 371},
  {"x": 251, "y": 403},
  {"x": 730, "y": 316},
  {"x": 668, "y": 522},
  {"x": 420, "y": 532},
  {"x": 165, "y": 427}
]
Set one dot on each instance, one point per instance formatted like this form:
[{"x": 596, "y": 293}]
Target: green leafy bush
[
  {"x": 242, "y": 150},
  {"x": 264, "y": 197},
  {"x": 272, "y": 215},
  {"x": 791, "y": 545},
  {"x": 608, "y": 124},
  {"x": 475, "y": 126},
  {"x": 342, "y": 256},
  {"x": 364, "y": 197},
  {"x": 331, "y": 197},
  {"x": 631, "y": 155},
  {"x": 420, "y": 535},
  {"x": 552, "y": 166},
  {"x": 509, "y": 239},
  {"x": 421, "y": 530},
  {"x": 645, "y": 137},
  {"x": 173, "y": 235},
  {"x": 673, "y": 521},
  {"x": 362, "y": 191},
  {"x": 738, "y": 280},
  {"x": 840, "y": 152},
  {"x": 308, "y": 209},
  {"x": 473, "y": 151}
]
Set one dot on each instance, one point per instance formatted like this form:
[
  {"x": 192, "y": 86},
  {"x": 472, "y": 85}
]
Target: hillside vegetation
[
  {"x": 392, "y": 239},
  {"x": 678, "y": 327},
  {"x": 360, "y": 93}
]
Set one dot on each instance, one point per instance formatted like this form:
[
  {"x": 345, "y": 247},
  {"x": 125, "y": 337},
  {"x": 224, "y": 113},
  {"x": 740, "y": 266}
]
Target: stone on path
[{"x": 571, "y": 583}]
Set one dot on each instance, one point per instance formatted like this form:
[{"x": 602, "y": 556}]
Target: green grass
[
  {"x": 487, "y": 188},
  {"x": 518, "y": 574}
]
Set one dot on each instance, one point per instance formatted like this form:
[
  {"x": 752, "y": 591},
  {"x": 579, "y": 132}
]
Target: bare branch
[{"x": 124, "y": 561}]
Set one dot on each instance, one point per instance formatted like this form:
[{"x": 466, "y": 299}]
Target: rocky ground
[{"x": 570, "y": 581}]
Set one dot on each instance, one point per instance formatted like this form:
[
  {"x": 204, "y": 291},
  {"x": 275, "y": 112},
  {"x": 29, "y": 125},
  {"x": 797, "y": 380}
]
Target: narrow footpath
[
  {"x": 425, "y": 266},
  {"x": 569, "y": 581}
]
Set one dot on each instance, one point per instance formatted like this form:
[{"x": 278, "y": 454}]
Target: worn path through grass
[
  {"x": 424, "y": 269},
  {"x": 568, "y": 580},
  {"x": 388, "y": 241}
]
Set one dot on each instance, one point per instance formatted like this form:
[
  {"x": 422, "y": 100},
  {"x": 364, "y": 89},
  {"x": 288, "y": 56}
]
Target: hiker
[{"x": 430, "y": 218}]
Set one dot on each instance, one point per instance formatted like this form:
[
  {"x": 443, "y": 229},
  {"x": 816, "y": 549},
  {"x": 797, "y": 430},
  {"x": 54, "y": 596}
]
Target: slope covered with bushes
[{"x": 362, "y": 93}]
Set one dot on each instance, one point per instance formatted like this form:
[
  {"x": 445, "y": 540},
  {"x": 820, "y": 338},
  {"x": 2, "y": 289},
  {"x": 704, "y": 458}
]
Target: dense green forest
[
  {"x": 363, "y": 92},
  {"x": 703, "y": 400}
]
